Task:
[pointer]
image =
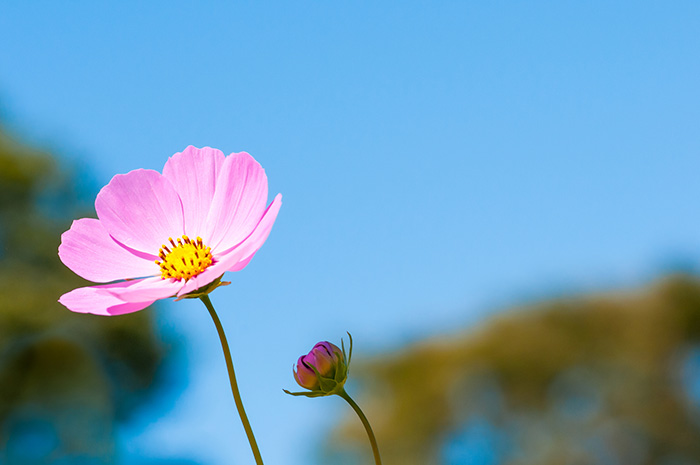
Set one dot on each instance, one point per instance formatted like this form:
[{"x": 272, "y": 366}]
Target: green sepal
[
  {"x": 204, "y": 290},
  {"x": 342, "y": 374},
  {"x": 326, "y": 385},
  {"x": 307, "y": 394},
  {"x": 350, "y": 355}
]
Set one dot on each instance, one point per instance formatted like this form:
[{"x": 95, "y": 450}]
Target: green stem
[
  {"x": 365, "y": 422},
  {"x": 232, "y": 378}
]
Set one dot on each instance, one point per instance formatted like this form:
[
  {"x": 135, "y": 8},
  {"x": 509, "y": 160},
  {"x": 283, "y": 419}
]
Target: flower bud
[
  {"x": 323, "y": 370},
  {"x": 324, "y": 357}
]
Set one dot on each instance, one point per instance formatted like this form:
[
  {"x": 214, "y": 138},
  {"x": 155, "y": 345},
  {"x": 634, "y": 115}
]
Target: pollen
[{"x": 184, "y": 258}]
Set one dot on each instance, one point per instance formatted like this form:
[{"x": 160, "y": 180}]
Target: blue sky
[{"x": 438, "y": 161}]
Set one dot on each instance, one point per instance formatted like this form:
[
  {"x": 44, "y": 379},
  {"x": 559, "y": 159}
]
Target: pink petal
[
  {"x": 238, "y": 203},
  {"x": 99, "y": 300},
  {"x": 141, "y": 210},
  {"x": 193, "y": 173},
  {"x": 88, "y": 250},
  {"x": 149, "y": 289},
  {"x": 242, "y": 264},
  {"x": 240, "y": 254}
]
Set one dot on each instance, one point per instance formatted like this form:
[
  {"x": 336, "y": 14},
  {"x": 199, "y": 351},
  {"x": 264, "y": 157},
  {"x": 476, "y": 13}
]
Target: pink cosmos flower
[{"x": 164, "y": 235}]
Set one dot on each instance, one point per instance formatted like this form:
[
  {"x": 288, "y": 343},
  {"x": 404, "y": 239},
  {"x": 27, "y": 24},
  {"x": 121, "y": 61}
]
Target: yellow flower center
[{"x": 186, "y": 259}]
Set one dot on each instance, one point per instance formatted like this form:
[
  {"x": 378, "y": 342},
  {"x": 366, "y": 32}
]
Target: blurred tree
[
  {"x": 612, "y": 380},
  {"x": 65, "y": 378}
]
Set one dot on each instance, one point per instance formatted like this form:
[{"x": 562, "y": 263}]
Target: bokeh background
[{"x": 498, "y": 200}]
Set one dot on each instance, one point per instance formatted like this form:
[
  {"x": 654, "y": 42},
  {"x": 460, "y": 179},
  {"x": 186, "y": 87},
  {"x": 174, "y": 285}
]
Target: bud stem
[
  {"x": 232, "y": 378},
  {"x": 365, "y": 423}
]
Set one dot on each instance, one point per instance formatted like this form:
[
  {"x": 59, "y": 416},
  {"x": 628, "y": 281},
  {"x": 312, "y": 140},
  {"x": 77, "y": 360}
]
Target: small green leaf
[{"x": 205, "y": 290}]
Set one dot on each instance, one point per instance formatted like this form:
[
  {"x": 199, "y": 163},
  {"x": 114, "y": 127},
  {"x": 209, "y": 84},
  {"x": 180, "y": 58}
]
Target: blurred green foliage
[
  {"x": 604, "y": 380},
  {"x": 65, "y": 378}
]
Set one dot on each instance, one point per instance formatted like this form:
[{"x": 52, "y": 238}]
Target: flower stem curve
[
  {"x": 365, "y": 423},
  {"x": 232, "y": 379}
]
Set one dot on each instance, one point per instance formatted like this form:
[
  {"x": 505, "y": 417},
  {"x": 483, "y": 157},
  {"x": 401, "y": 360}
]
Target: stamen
[{"x": 194, "y": 255}]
